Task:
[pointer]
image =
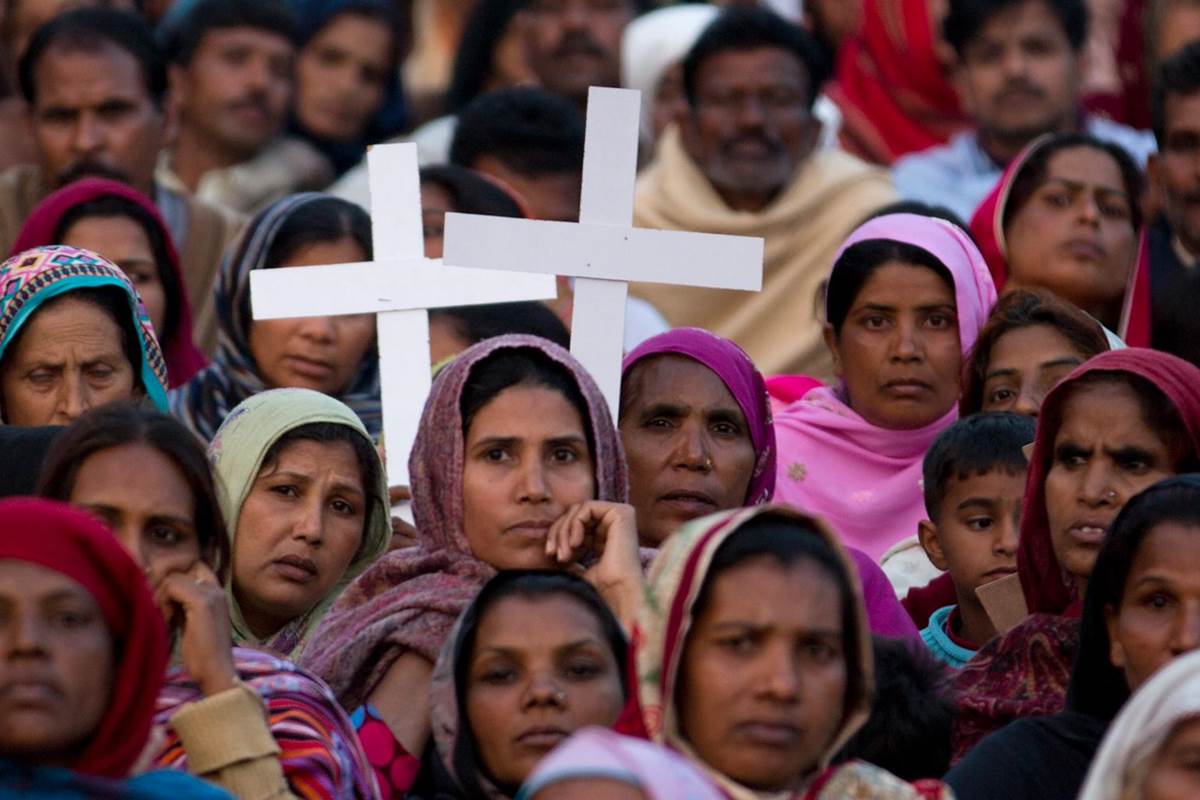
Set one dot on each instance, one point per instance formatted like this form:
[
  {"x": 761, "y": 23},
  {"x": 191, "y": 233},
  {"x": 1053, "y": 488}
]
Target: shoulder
[
  {"x": 864, "y": 781},
  {"x": 1138, "y": 143}
]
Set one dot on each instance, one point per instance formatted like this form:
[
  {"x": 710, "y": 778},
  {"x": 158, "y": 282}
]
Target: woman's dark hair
[
  {"x": 1025, "y": 308},
  {"x": 1159, "y": 414},
  {"x": 532, "y": 585},
  {"x": 109, "y": 206},
  {"x": 477, "y": 50},
  {"x": 369, "y": 468},
  {"x": 1032, "y": 174},
  {"x": 470, "y": 192},
  {"x": 1097, "y": 687},
  {"x": 121, "y": 424},
  {"x": 859, "y": 261},
  {"x": 115, "y": 304},
  {"x": 521, "y": 366},
  {"x": 477, "y": 323},
  {"x": 788, "y": 542},
  {"x": 921, "y": 210},
  {"x": 326, "y": 219}
]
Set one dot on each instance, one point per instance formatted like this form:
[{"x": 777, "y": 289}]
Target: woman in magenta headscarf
[{"x": 907, "y": 296}]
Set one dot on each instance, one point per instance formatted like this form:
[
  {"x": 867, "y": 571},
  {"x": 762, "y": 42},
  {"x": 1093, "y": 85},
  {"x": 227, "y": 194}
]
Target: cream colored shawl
[{"x": 780, "y": 328}]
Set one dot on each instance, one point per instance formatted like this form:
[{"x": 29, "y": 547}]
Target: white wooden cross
[
  {"x": 602, "y": 251},
  {"x": 398, "y": 287}
]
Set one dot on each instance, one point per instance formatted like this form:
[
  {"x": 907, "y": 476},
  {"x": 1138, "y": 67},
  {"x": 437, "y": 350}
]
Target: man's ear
[
  {"x": 927, "y": 535},
  {"x": 831, "y": 342}
]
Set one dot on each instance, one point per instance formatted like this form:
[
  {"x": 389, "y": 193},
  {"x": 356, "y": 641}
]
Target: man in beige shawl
[{"x": 744, "y": 160}]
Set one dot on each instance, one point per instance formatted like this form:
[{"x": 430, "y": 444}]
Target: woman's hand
[
  {"x": 403, "y": 532},
  {"x": 609, "y": 532},
  {"x": 194, "y": 601}
]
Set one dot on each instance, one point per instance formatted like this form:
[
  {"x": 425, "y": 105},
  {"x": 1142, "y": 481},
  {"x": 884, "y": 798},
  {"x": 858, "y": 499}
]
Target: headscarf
[
  {"x": 312, "y": 16},
  {"x": 653, "y": 43},
  {"x": 743, "y": 380},
  {"x": 1166, "y": 701},
  {"x": 236, "y": 455},
  {"x": 72, "y": 543},
  {"x": 29, "y": 279},
  {"x": 410, "y": 599},
  {"x": 987, "y": 226},
  {"x": 1045, "y": 588},
  {"x": 675, "y": 582},
  {"x": 865, "y": 480},
  {"x": 183, "y": 358},
  {"x": 891, "y": 88},
  {"x": 203, "y": 403},
  {"x": 600, "y": 753}
]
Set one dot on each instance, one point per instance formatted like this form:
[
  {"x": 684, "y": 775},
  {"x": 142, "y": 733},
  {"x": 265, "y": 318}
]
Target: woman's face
[
  {"x": 319, "y": 353},
  {"x": 1104, "y": 453},
  {"x": 1075, "y": 236},
  {"x": 1024, "y": 365},
  {"x": 1159, "y": 615},
  {"x": 152, "y": 516},
  {"x": 898, "y": 350},
  {"x": 342, "y": 76},
  {"x": 123, "y": 242},
  {"x": 763, "y": 676},
  {"x": 298, "y": 531},
  {"x": 529, "y": 686},
  {"x": 525, "y": 462},
  {"x": 436, "y": 202},
  {"x": 687, "y": 443},
  {"x": 67, "y": 360},
  {"x": 1175, "y": 771},
  {"x": 56, "y": 665}
]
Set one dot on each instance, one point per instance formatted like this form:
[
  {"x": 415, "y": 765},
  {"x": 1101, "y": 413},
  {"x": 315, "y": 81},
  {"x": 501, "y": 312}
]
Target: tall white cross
[
  {"x": 602, "y": 251},
  {"x": 398, "y": 287}
]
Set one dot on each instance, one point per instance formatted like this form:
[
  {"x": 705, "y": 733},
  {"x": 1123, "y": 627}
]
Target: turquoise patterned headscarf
[{"x": 29, "y": 279}]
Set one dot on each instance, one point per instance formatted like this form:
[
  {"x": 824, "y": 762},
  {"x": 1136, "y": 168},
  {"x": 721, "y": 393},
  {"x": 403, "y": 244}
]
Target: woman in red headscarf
[
  {"x": 83, "y": 649},
  {"x": 123, "y": 225}
]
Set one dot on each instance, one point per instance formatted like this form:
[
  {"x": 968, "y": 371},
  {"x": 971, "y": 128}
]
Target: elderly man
[{"x": 744, "y": 160}]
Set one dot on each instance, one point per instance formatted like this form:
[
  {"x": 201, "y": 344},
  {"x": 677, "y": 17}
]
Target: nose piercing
[
  {"x": 708, "y": 463},
  {"x": 560, "y": 697},
  {"x": 1110, "y": 494}
]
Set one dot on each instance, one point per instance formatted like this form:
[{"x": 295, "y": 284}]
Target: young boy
[{"x": 974, "y": 476}]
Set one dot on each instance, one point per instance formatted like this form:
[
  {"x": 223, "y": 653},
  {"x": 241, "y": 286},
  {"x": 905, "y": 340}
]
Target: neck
[
  {"x": 975, "y": 626},
  {"x": 1001, "y": 148},
  {"x": 261, "y": 625},
  {"x": 194, "y": 155},
  {"x": 752, "y": 202},
  {"x": 1108, "y": 314},
  {"x": 1081, "y": 585}
]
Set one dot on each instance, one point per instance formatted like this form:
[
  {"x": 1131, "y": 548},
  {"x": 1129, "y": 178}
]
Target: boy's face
[{"x": 975, "y": 538}]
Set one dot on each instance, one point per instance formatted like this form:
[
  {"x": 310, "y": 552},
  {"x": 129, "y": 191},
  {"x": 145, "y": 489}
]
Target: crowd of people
[{"x": 919, "y": 520}]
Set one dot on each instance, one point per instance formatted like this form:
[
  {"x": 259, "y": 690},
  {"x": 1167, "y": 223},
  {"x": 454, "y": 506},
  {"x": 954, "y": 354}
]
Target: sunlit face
[
  {"x": 1159, "y": 615},
  {"x": 526, "y": 460},
  {"x": 342, "y": 76},
  {"x": 1174, "y": 773},
  {"x": 319, "y": 353},
  {"x": 687, "y": 443},
  {"x": 899, "y": 351},
  {"x": 572, "y": 45},
  {"x": 763, "y": 675},
  {"x": 123, "y": 241},
  {"x": 56, "y": 664},
  {"x": 153, "y": 517},
  {"x": 298, "y": 531},
  {"x": 1075, "y": 235},
  {"x": 1104, "y": 453},
  {"x": 1024, "y": 365},
  {"x": 67, "y": 360},
  {"x": 529, "y": 687}
]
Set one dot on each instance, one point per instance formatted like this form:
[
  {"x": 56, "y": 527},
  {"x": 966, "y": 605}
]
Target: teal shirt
[{"x": 938, "y": 640}]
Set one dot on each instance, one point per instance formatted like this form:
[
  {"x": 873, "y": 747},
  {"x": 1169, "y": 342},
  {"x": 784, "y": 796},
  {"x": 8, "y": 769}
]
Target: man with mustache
[
  {"x": 743, "y": 159},
  {"x": 1173, "y": 238},
  {"x": 95, "y": 84},
  {"x": 231, "y": 83},
  {"x": 1018, "y": 71}
]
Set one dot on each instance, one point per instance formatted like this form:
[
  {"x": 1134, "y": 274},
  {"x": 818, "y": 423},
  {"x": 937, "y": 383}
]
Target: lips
[
  {"x": 767, "y": 733},
  {"x": 535, "y": 529},
  {"x": 907, "y": 387},
  {"x": 1000, "y": 572},
  {"x": 542, "y": 738},
  {"x": 1085, "y": 250},
  {"x": 297, "y": 569},
  {"x": 29, "y": 692},
  {"x": 689, "y": 501},
  {"x": 308, "y": 367},
  {"x": 1088, "y": 532}
]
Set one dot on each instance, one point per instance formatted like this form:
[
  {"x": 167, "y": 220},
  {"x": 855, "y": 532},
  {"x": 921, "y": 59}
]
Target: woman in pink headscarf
[{"x": 907, "y": 296}]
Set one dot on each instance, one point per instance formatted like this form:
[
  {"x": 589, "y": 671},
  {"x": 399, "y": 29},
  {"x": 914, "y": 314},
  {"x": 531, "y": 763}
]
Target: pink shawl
[
  {"x": 865, "y": 481},
  {"x": 410, "y": 598}
]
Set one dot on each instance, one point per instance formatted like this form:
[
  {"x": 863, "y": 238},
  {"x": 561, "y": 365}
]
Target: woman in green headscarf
[{"x": 304, "y": 494}]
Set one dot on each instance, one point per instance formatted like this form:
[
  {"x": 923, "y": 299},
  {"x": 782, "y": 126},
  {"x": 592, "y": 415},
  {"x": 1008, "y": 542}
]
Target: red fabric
[
  {"x": 986, "y": 227},
  {"x": 183, "y": 358},
  {"x": 891, "y": 88},
  {"x": 922, "y": 601},
  {"x": 70, "y": 542},
  {"x": 1041, "y": 576}
]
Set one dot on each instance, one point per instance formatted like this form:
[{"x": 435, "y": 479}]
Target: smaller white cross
[
  {"x": 398, "y": 287},
  {"x": 602, "y": 251}
]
